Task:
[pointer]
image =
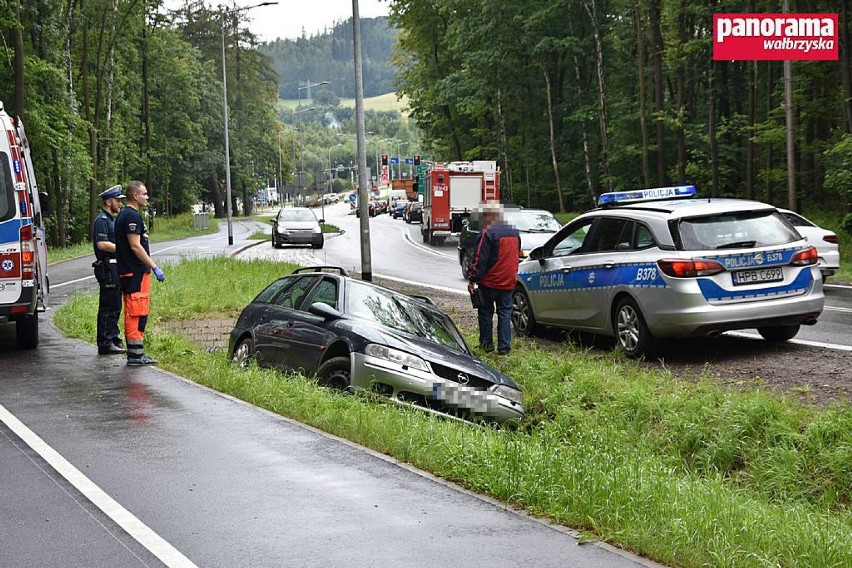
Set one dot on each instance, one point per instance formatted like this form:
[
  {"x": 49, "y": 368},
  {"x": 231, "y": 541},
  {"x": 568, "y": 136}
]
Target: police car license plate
[{"x": 757, "y": 276}]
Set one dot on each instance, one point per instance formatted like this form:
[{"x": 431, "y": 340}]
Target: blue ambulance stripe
[
  {"x": 714, "y": 293},
  {"x": 10, "y": 231}
]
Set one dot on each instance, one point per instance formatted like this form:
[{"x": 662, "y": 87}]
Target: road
[{"x": 109, "y": 465}]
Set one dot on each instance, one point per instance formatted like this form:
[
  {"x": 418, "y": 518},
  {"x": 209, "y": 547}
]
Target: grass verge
[
  {"x": 165, "y": 229},
  {"x": 685, "y": 473}
]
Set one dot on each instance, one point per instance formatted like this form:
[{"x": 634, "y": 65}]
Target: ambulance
[{"x": 24, "y": 284}]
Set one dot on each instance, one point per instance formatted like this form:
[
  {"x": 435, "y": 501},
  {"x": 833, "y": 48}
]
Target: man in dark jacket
[
  {"x": 494, "y": 270},
  {"x": 106, "y": 273}
]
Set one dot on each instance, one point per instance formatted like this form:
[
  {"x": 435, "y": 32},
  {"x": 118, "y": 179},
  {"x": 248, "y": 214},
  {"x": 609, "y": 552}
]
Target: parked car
[
  {"x": 296, "y": 226},
  {"x": 646, "y": 266},
  {"x": 355, "y": 334},
  {"x": 413, "y": 212},
  {"x": 824, "y": 240},
  {"x": 536, "y": 226},
  {"x": 372, "y": 209},
  {"x": 398, "y": 209},
  {"x": 329, "y": 198}
]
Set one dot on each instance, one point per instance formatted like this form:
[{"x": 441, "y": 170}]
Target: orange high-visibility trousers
[{"x": 136, "y": 307}]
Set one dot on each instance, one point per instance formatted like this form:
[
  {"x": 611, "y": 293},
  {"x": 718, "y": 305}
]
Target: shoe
[
  {"x": 503, "y": 352},
  {"x": 139, "y": 361},
  {"x": 112, "y": 349},
  {"x": 487, "y": 348}
]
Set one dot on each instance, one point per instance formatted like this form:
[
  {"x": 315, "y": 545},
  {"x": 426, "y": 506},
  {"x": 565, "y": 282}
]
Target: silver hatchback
[{"x": 660, "y": 263}]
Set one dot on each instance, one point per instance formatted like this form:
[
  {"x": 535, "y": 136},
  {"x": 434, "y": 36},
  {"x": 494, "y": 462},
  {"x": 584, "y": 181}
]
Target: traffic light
[
  {"x": 416, "y": 159},
  {"x": 384, "y": 159}
]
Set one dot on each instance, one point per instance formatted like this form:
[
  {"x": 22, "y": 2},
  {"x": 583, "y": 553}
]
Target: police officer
[{"x": 106, "y": 273}]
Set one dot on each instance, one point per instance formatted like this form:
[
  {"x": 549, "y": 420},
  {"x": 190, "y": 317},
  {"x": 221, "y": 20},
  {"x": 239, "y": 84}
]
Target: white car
[
  {"x": 330, "y": 198},
  {"x": 824, "y": 240}
]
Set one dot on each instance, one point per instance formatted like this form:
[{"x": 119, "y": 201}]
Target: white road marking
[
  {"x": 157, "y": 545},
  {"x": 61, "y": 284},
  {"x": 795, "y": 341},
  {"x": 836, "y": 309},
  {"x": 421, "y": 284},
  {"x": 407, "y": 238}
]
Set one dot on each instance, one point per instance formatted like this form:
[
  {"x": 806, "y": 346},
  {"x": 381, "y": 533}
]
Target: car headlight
[
  {"x": 514, "y": 395},
  {"x": 396, "y": 356},
  {"x": 282, "y": 230},
  {"x": 317, "y": 229}
]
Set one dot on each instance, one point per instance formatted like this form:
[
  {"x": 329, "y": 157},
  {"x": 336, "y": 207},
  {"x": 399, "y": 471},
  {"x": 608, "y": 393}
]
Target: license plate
[{"x": 757, "y": 276}]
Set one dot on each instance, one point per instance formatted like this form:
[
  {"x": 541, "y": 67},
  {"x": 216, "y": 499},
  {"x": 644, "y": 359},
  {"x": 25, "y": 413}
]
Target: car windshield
[
  {"x": 399, "y": 312},
  {"x": 532, "y": 221},
  {"x": 743, "y": 229},
  {"x": 296, "y": 215}
]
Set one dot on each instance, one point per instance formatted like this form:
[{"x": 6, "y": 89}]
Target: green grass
[
  {"x": 386, "y": 102},
  {"x": 685, "y": 473},
  {"x": 164, "y": 229}
]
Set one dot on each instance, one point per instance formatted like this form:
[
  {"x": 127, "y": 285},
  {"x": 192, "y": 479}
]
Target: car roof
[{"x": 680, "y": 208}]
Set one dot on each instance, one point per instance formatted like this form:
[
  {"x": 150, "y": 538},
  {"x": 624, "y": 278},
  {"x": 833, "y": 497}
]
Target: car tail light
[
  {"x": 830, "y": 239},
  {"x": 27, "y": 253},
  {"x": 689, "y": 268},
  {"x": 805, "y": 257}
]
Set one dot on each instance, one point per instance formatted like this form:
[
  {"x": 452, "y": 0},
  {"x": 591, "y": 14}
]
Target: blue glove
[{"x": 159, "y": 274}]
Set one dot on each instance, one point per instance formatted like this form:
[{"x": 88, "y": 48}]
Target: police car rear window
[
  {"x": 744, "y": 229},
  {"x": 7, "y": 194}
]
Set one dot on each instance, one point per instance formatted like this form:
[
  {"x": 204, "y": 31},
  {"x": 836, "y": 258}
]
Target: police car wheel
[
  {"x": 336, "y": 373},
  {"x": 777, "y": 333},
  {"x": 523, "y": 318},
  {"x": 465, "y": 264},
  {"x": 243, "y": 352},
  {"x": 631, "y": 332}
]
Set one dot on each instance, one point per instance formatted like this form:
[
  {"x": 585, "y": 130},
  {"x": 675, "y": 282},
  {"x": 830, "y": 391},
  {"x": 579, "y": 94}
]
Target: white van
[{"x": 24, "y": 284}]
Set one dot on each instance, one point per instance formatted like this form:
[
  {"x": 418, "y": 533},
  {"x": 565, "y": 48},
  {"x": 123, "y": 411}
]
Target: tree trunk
[
  {"x": 769, "y": 156},
  {"x": 553, "y": 160},
  {"x": 587, "y": 158},
  {"x": 643, "y": 126},
  {"x": 659, "y": 81},
  {"x": 791, "y": 146},
  {"x": 752, "y": 110},
  {"x": 680, "y": 80},
  {"x": 18, "y": 66},
  {"x": 714, "y": 143},
  {"x": 504, "y": 147},
  {"x": 845, "y": 62},
  {"x": 592, "y": 11},
  {"x": 218, "y": 207}
]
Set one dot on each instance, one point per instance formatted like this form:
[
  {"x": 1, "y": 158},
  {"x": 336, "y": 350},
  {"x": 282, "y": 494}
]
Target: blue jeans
[{"x": 503, "y": 301}]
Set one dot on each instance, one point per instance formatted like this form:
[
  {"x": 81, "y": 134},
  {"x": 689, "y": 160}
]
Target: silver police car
[{"x": 660, "y": 263}]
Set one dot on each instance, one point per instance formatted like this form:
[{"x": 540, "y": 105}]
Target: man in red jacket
[{"x": 495, "y": 270}]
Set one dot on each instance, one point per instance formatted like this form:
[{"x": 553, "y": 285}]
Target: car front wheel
[
  {"x": 523, "y": 318},
  {"x": 778, "y": 333},
  {"x": 243, "y": 352},
  {"x": 336, "y": 373},
  {"x": 631, "y": 332}
]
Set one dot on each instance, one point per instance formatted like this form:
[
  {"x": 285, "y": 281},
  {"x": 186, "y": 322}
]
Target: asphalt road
[{"x": 106, "y": 465}]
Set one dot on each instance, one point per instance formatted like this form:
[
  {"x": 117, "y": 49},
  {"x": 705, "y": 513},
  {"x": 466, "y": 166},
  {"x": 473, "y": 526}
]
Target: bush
[{"x": 846, "y": 224}]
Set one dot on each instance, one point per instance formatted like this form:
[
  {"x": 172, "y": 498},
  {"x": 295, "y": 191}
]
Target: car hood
[
  {"x": 530, "y": 241},
  {"x": 448, "y": 357}
]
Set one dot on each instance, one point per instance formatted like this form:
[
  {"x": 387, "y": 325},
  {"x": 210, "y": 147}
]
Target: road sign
[
  {"x": 352, "y": 197},
  {"x": 409, "y": 160},
  {"x": 422, "y": 169},
  {"x": 394, "y": 160}
]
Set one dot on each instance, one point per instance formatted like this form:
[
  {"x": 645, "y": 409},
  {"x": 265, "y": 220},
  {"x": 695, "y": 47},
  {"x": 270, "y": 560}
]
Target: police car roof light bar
[{"x": 640, "y": 195}]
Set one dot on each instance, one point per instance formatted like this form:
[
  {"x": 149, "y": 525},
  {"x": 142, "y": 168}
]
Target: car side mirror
[
  {"x": 324, "y": 311},
  {"x": 465, "y": 222},
  {"x": 537, "y": 254},
  {"x": 274, "y": 220},
  {"x": 322, "y": 221}
]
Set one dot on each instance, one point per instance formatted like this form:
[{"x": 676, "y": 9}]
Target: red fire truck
[{"x": 450, "y": 194}]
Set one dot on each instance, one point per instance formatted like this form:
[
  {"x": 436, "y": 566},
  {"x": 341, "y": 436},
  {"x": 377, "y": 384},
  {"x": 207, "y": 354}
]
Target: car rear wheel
[
  {"x": 26, "y": 332},
  {"x": 778, "y": 333},
  {"x": 427, "y": 235},
  {"x": 243, "y": 352},
  {"x": 523, "y": 318},
  {"x": 336, "y": 373},
  {"x": 465, "y": 264},
  {"x": 631, "y": 332}
]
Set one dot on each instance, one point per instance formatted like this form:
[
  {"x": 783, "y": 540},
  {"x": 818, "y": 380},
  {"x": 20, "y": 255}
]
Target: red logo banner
[{"x": 775, "y": 37}]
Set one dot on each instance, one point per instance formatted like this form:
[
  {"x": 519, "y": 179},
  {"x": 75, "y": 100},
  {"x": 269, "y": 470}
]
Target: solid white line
[
  {"x": 795, "y": 341},
  {"x": 413, "y": 283},
  {"x": 61, "y": 284},
  {"x": 407, "y": 237},
  {"x": 169, "y": 555},
  {"x": 836, "y": 309}
]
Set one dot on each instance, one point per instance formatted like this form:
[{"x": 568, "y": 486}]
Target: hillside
[
  {"x": 329, "y": 57},
  {"x": 379, "y": 103}
]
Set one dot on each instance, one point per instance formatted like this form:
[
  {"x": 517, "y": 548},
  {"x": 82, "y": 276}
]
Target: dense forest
[
  {"x": 328, "y": 57},
  {"x": 577, "y": 97},
  {"x": 114, "y": 90}
]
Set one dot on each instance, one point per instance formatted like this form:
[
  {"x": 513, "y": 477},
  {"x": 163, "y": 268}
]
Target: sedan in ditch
[{"x": 352, "y": 334}]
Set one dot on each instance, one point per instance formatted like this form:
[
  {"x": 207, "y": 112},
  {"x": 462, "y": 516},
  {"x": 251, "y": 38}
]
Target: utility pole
[{"x": 363, "y": 194}]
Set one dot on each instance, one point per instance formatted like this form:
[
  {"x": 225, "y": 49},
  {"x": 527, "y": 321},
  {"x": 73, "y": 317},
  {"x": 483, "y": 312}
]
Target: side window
[
  {"x": 572, "y": 241},
  {"x": 611, "y": 234},
  {"x": 644, "y": 237},
  {"x": 273, "y": 289},
  {"x": 292, "y": 296},
  {"x": 325, "y": 292}
]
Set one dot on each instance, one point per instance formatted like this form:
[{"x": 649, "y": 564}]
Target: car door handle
[
  {"x": 608, "y": 264},
  {"x": 565, "y": 269}
]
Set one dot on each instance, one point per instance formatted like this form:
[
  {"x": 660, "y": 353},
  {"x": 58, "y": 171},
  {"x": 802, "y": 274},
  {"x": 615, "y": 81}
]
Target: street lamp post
[
  {"x": 225, "y": 105},
  {"x": 299, "y": 111},
  {"x": 399, "y": 144},
  {"x": 301, "y": 171}
]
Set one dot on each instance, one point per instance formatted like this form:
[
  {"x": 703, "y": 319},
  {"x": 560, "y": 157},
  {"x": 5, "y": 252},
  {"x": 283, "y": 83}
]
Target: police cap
[{"x": 112, "y": 193}]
